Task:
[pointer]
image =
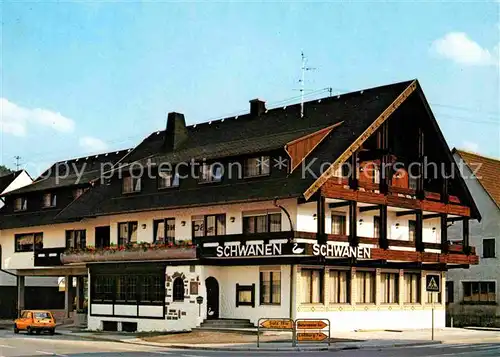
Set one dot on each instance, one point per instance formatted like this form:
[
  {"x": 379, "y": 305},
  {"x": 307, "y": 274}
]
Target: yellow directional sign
[
  {"x": 311, "y": 336},
  {"x": 311, "y": 325},
  {"x": 277, "y": 324}
]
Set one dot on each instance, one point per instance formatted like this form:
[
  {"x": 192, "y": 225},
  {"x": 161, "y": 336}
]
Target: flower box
[{"x": 108, "y": 255}]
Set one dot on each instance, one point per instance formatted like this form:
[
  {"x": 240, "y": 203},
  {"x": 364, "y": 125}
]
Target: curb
[{"x": 253, "y": 349}]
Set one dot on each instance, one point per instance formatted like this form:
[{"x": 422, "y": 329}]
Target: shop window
[
  {"x": 412, "y": 284},
  {"x": 365, "y": 284},
  {"x": 270, "y": 287},
  {"x": 389, "y": 288},
  {"x": 340, "y": 286},
  {"x": 178, "y": 289},
  {"x": 312, "y": 286},
  {"x": 245, "y": 295}
]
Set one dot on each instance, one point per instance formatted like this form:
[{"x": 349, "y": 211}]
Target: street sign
[
  {"x": 311, "y": 325},
  {"x": 432, "y": 283},
  {"x": 311, "y": 336},
  {"x": 277, "y": 324}
]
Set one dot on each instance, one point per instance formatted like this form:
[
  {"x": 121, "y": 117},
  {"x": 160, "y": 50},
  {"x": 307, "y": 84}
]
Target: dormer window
[
  {"x": 257, "y": 166},
  {"x": 131, "y": 184},
  {"x": 20, "y": 204},
  {"x": 166, "y": 178},
  {"x": 211, "y": 172},
  {"x": 49, "y": 200},
  {"x": 77, "y": 193}
]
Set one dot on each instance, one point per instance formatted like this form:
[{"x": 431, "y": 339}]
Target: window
[
  {"x": 211, "y": 172},
  {"x": 479, "y": 292},
  {"x": 257, "y": 166},
  {"x": 76, "y": 239},
  {"x": 389, "y": 288},
  {"x": 489, "y": 248},
  {"x": 211, "y": 225},
  {"x": 412, "y": 283},
  {"x": 164, "y": 230},
  {"x": 365, "y": 281},
  {"x": 126, "y": 288},
  {"x": 167, "y": 179},
  {"x": 28, "y": 242},
  {"x": 131, "y": 184},
  {"x": 270, "y": 287},
  {"x": 178, "y": 289},
  {"x": 78, "y": 192},
  {"x": 412, "y": 230},
  {"x": 127, "y": 233},
  {"x": 152, "y": 289},
  {"x": 376, "y": 174},
  {"x": 450, "y": 292},
  {"x": 20, "y": 204},
  {"x": 49, "y": 200},
  {"x": 245, "y": 295},
  {"x": 103, "y": 288},
  {"x": 340, "y": 286},
  {"x": 338, "y": 224},
  {"x": 270, "y": 222},
  {"x": 312, "y": 286},
  {"x": 376, "y": 227}
]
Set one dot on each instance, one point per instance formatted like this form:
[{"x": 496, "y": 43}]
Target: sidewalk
[{"x": 358, "y": 340}]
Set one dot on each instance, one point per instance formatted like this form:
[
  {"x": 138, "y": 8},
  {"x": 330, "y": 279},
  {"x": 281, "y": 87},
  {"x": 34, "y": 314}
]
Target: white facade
[{"x": 488, "y": 269}]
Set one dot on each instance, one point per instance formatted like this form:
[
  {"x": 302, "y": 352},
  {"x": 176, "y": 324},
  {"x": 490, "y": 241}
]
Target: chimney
[
  {"x": 176, "y": 132},
  {"x": 257, "y": 107}
]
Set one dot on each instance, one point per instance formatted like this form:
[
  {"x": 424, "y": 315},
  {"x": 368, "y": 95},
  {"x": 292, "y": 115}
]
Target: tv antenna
[
  {"x": 18, "y": 162},
  {"x": 302, "y": 81}
]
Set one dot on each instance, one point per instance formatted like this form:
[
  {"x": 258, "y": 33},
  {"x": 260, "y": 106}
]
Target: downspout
[{"x": 292, "y": 266}]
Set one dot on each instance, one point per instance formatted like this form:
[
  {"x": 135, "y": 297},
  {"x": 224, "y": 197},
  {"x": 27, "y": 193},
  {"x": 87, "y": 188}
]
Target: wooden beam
[
  {"x": 465, "y": 232},
  {"x": 360, "y": 140},
  {"x": 383, "y": 242},
  {"x": 455, "y": 219},
  {"x": 407, "y": 213},
  {"x": 419, "y": 244},
  {"x": 444, "y": 233},
  {"x": 320, "y": 218},
  {"x": 338, "y": 204},
  {"x": 368, "y": 208},
  {"x": 353, "y": 224},
  {"x": 353, "y": 172},
  {"x": 431, "y": 216}
]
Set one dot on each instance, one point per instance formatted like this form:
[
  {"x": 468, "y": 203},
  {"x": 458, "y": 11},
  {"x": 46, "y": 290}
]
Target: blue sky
[{"x": 81, "y": 77}]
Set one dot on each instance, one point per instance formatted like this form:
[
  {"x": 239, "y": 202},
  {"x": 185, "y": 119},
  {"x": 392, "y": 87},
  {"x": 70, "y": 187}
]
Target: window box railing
[{"x": 132, "y": 251}]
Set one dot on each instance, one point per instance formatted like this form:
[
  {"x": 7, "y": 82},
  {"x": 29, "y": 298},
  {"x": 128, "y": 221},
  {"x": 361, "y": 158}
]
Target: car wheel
[
  {"x": 52, "y": 331},
  {"x": 30, "y": 331},
  {"x": 16, "y": 330},
  {"x": 37, "y": 332}
]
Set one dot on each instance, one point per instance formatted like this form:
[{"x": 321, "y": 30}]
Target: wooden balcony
[{"x": 48, "y": 257}]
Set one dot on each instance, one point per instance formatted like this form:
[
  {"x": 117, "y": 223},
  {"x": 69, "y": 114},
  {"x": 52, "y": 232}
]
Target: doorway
[
  {"x": 212, "y": 298},
  {"x": 102, "y": 236}
]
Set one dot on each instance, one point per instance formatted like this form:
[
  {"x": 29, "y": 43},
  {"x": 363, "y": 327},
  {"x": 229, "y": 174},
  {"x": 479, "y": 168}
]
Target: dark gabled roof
[
  {"x": 73, "y": 172},
  {"x": 488, "y": 173},
  {"x": 6, "y": 180},
  {"x": 241, "y": 135},
  {"x": 28, "y": 219}
]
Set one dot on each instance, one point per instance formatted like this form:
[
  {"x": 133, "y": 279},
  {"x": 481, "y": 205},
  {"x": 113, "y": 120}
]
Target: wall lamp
[
  {"x": 232, "y": 219},
  {"x": 315, "y": 216},
  {"x": 397, "y": 225},
  {"x": 144, "y": 226},
  {"x": 361, "y": 221},
  {"x": 183, "y": 223}
]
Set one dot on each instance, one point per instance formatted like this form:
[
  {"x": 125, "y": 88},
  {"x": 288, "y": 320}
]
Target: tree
[{"x": 4, "y": 170}]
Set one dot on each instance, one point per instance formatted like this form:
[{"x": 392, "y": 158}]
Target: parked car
[{"x": 35, "y": 321}]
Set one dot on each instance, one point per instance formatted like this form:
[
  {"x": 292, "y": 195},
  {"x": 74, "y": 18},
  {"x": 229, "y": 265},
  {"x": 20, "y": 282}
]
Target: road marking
[
  {"x": 51, "y": 353},
  {"x": 6, "y": 346},
  {"x": 160, "y": 352},
  {"x": 462, "y": 353}
]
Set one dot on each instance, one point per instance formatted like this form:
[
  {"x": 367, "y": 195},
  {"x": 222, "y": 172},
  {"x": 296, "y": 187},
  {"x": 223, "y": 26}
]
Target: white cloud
[
  {"x": 91, "y": 144},
  {"x": 458, "y": 47},
  {"x": 15, "y": 119},
  {"x": 470, "y": 146}
]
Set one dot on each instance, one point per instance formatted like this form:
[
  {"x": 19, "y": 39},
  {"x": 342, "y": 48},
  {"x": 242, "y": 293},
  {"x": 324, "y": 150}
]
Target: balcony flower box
[{"x": 129, "y": 252}]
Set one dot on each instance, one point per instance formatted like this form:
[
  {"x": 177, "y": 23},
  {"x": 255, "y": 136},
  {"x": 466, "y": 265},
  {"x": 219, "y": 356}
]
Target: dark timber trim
[
  {"x": 368, "y": 208},
  {"x": 353, "y": 224},
  {"x": 383, "y": 241},
  {"x": 419, "y": 245},
  {"x": 444, "y": 233},
  {"x": 338, "y": 204},
  {"x": 320, "y": 217},
  {"x": 407, "y": 213}
]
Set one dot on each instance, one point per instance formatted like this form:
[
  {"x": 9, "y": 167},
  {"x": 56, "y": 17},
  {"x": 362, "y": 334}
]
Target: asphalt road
[{"x": 23, "y": 345}]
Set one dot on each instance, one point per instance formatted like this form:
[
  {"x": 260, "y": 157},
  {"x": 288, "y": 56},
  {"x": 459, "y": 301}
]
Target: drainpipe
[{"x": 292, "y": 266}]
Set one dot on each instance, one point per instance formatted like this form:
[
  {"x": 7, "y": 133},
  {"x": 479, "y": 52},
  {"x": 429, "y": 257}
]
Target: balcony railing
[{"x": 48, "y": 257}]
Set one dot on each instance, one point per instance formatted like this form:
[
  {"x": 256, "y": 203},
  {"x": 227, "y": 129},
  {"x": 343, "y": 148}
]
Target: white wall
[{"x": 488, "y": 268}]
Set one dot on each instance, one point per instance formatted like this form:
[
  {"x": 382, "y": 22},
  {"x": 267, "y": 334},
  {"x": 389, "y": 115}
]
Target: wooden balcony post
[
  {"x": 444, "y": 190},
  {"x": 465, "y": 231},
  {"x": 384, "y": 160},
  {"x": 320, "y": 219},
  {"x": 444, "y": 233},
  {"x": 421, "y": 171},
  {"x": 419, "y": 244},
  {"x": 353, "y": 223},
  {"x": 383, "y": 242},
  {"x": 353, "y": 174}
]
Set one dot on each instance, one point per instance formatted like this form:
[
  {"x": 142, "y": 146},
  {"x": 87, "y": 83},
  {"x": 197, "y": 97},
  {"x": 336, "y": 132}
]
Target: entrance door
[
  {"x": 212, "y": 298},
  {"x": 102, "y": 236}
]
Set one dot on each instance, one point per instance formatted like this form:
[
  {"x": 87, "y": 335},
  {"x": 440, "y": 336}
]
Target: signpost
[
  {"x": 275, "y": 324},
  {"x": 199, "y": 301},
  {"x": 432, "y": 285},
  {"x": 312, "y": 330}
]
